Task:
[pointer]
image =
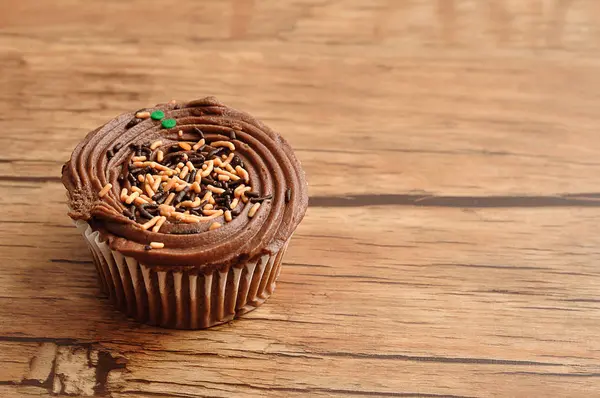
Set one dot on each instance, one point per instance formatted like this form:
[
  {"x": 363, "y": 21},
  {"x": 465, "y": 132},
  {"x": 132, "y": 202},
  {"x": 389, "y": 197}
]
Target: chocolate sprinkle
[
  {"x": 252, "y": 194},
  {"x": 198, "y": 162},
  {"x": 132, "y": 209},
  {"x": 181, "y": 195},
  {"x": 216, "y": 152},
  {"x": 192, "y": 176},
  {"x": 199, "y": 132},
  {"x": 133, "y": 122},
  {"x": 128, "y": 214},
  {"x": 162, "y": 199},
  {"x": 235, "y": 161},
  {"x": 232, "y": 135},
  {"x": 235, "y": 184},
  {"x": 202, "y": 204},
  {"x": 208, "y": 181},
  {"x": 259, "y": 200},
  {"x": 144, "y": 213},
  {"x": 147, "y": 247},
  {"x": 288, "y": 195}
]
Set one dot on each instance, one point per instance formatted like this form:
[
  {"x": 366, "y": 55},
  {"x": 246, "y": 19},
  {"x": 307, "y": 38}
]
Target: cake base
[{"x": 180, "y": 299}]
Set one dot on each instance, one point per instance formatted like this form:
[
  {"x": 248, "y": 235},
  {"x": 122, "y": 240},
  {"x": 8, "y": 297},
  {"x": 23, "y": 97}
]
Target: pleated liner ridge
[{"x": 181, "y": 300}]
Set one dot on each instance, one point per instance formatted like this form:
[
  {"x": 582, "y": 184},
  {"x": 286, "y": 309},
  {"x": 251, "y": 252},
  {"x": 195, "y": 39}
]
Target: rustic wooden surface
[{"x": 452, "y": 147}]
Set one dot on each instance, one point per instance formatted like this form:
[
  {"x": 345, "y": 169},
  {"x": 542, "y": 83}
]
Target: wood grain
[{"x": 451, "y": 146}]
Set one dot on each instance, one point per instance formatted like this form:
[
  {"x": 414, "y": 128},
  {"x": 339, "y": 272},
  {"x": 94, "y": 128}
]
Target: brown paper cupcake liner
[{"x": 180, "y": 299}]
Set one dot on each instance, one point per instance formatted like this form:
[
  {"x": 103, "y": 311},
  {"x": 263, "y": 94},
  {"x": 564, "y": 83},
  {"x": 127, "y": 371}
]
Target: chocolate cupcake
[{"x": 187, "y": 209}]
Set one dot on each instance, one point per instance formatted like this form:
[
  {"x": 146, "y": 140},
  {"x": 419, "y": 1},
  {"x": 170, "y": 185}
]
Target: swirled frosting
[{"x": 98, "y": 174}]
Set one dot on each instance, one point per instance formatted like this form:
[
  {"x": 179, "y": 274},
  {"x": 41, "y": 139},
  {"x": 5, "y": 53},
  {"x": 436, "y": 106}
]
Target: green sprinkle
[
  {"x": 169, "y": 123},
  {"x": 157, "y": 115}
]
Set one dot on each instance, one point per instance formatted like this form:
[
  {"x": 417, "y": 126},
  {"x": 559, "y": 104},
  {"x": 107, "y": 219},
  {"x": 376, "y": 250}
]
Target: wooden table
[{"x": 452, "y": 243}]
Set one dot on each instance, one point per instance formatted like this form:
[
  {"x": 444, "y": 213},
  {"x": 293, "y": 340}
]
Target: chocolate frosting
[{"x": 268, "y": 158}]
